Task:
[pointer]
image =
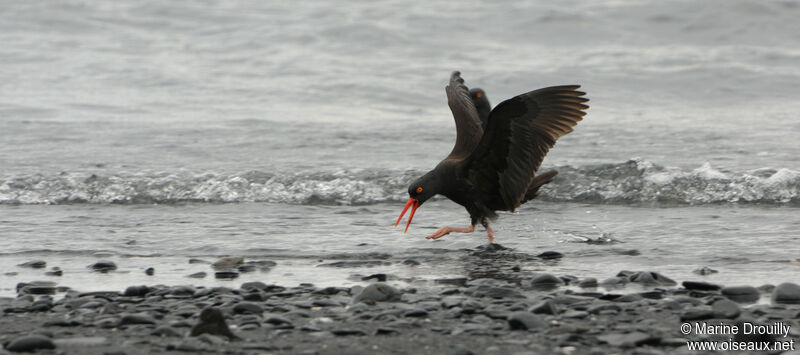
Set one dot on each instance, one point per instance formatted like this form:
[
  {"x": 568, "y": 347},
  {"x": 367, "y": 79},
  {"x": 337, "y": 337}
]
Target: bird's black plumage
[{"x": 493, "y": 164}]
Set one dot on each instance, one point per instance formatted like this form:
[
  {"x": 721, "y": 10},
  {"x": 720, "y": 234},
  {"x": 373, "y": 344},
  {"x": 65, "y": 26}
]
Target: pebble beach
[{"x": 498, "y": 308}]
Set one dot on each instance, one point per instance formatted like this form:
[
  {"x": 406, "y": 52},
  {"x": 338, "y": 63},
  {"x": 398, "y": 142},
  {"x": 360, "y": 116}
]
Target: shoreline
[{"x": 635, "y": 312}]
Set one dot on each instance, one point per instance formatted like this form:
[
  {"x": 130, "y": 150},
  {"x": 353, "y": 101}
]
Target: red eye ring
[{"x": 419, "y": 190}]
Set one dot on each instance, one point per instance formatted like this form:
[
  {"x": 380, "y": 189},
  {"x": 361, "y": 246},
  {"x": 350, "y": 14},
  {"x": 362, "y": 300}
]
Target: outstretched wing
[
  {"x": 468, "y": 125},
  {"x": 520, "y": 132}
]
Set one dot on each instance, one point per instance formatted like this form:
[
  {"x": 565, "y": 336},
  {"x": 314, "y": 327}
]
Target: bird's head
[
  {"x": 418, "y": 192},
  {"x": 481, "y": 103}
]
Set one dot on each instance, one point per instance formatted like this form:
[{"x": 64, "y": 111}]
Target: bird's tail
[{"x": 537, "y": 182}]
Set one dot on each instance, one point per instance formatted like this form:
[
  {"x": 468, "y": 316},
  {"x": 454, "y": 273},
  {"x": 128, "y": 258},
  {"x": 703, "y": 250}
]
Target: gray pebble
[
  {"x": 546, "y": 282},
  {"x": 35, "y": 264},
  {"x": 525, "y": 321},
  {"x": 136, "y": 318},
  {"x": 702, "y": 286},
  {"x": 103, "y": 266},
  {"x": 725, "y": 309},
  {"x": 27, "y": 343},
  {"x": 378, "y": 292},
  {"x": 786, "y": 293},
  {"x": 741, "y": 294},
  {"x": 544, "y": 307}
]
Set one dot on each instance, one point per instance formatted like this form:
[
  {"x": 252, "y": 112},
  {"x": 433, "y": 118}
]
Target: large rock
[
  {"x": 700, "y": 286},
  {"x": 377, "y": 292},
  {"x": 741, "y": 294},
  {"x": 228, "y": 263},
  {"x": 30, "y": 343},
  {"x": 103, "y": 266},
  {"x": 546, "y": 282},
  {"x": 787, "y": 293},
  {"x": 212, "y": 321},
  {"x": 136, "y": 291}
]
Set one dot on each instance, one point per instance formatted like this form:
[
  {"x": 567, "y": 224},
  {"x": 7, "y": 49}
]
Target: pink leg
[
  {"x": 441, "y": 232},
  {"x": 490, "y": 233}
]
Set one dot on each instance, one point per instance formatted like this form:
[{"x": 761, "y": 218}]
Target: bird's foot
[
  {"x": 441, "y": 232},
  {"x": 490, "y": 234}
]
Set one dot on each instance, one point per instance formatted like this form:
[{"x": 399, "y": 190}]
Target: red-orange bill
[{"x": 411, "y": 202}]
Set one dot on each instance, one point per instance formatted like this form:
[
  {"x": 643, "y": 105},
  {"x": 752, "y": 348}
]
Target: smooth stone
[
  {"x": 631, "y": 297},
  {"x": 651, "y": 278},
  {"x": 226, "y": 275},
  {"x": 279, "y": 322},
  {"x": 725, "y": 308},
  {"x": 378, "y": 292},
  {"x": 525, "y": 321},
  {"x": 136, "y": 291},
  {"x": 549, "y": 255},
  {"x": 212, "y": 321},
  {"x": 35, "y": 264},
  {"x": 103, "y": 266},
  {"x": 546, "y": 282},
  {"x": 228, "y": 263},
  {"x": 39, "y": 290},
  {"x": 588, "y": 282},
  {"x": 150, "y": 271},
  {"x": 614, "y": 282},
  {"x": 786, "y": 293},
  {"x": 544, "y": 307},
  {"x": 348, "y": 331},
  {"x": 183, "y": 291},
  {"x": 246, "y": 268},
  {"x": 741, "y": 294},
  {"x": 55, "y": 271},
  {"x": 702, "y": 286},
  {"x": 416, "y": 313},
  {"x": 197, "y": 275},
  {"x": 625, "y": 339},
  {"x": 453, "y": 301},
  {"x": 62, "y": 323},
  {"x": 136, "y": 318},
  {"x": 27, "y": 343},
  {"x": 247, "y": 308}
]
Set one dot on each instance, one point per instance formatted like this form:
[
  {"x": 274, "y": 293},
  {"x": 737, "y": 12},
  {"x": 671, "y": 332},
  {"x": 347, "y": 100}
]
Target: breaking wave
[{"x": 631, "y": 182}]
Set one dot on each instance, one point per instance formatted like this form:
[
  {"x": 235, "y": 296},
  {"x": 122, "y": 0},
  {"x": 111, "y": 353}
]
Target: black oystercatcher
[{"x": 497, "y": 152}]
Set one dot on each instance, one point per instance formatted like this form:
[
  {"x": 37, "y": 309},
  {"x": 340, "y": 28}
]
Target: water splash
[{"x": 631, "y": 182}]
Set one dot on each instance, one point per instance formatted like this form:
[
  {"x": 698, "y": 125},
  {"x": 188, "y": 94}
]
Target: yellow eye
[
  {"x": 479, "y": 95},
  {"x": 419, "y": 190}
]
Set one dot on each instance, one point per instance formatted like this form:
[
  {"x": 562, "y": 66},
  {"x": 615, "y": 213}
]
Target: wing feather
[
  {"x": 468, "y": 124},
  {"x": 519, "y": 134}
]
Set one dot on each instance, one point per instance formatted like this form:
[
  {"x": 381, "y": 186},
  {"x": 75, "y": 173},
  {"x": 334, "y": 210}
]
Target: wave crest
[{"x": 631, "y": 182}]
